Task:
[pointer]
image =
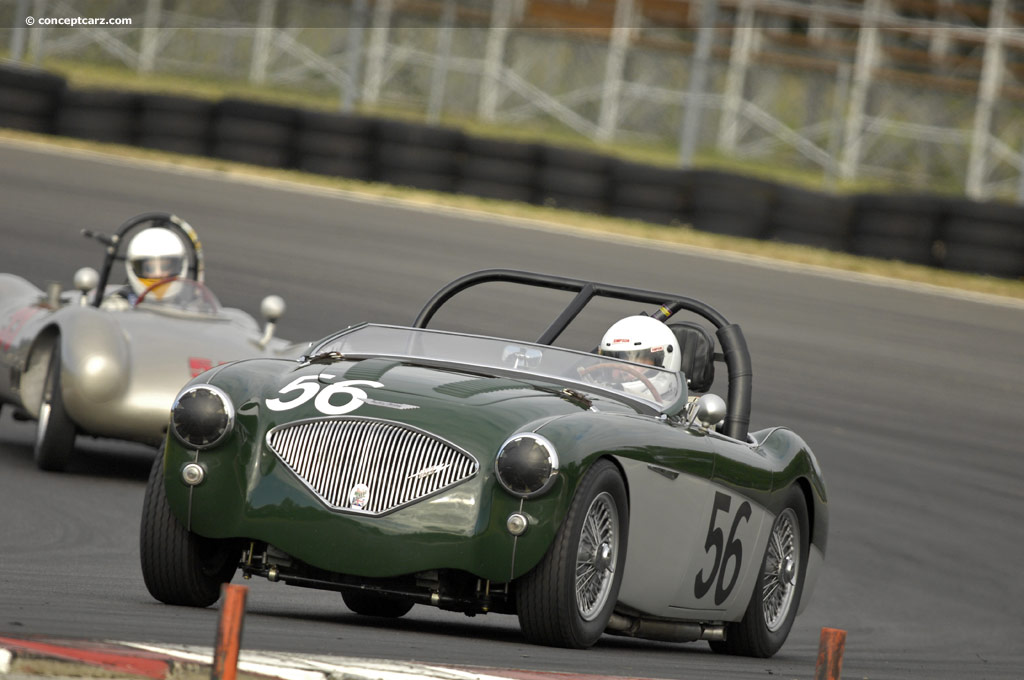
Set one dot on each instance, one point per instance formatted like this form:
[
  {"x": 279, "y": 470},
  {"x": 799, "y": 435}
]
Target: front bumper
[{"x": 461, "y": 528}]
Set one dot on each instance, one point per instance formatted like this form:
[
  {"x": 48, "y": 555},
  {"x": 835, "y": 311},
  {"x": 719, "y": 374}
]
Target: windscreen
[
  {"x": 653, "y": 385},
  {"x": 183, "y": 295}
]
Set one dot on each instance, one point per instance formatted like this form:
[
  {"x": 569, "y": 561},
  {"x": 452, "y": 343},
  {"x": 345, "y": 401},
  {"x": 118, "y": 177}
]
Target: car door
[
  {"x": 722, "y": 567},
  {"x": 669, "y": 486}
]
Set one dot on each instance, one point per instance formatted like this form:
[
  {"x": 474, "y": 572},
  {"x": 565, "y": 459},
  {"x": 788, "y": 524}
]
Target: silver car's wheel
[
  {"x": 776, "y": 597},
  {"x": 55, "y": 432},
  {"x": 567, "y": 599},
  {"x": 781, "y": 566},
  {"x": 596, "y": 556}
]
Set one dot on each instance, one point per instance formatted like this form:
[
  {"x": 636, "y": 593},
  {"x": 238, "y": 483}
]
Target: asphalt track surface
[{"x": 912, "y": 401}]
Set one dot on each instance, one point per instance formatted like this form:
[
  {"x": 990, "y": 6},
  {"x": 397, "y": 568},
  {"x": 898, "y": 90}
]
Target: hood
[
  {"x": 472, "y": 411},
  {"x": 122, "y": 370}
]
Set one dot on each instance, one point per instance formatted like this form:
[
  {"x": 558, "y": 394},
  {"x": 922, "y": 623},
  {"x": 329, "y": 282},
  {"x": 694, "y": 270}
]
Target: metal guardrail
[{"x": 915, "y": 92}]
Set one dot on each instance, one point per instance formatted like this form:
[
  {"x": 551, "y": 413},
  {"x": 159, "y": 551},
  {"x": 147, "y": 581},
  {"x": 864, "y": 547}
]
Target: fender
[{"x": 96, "y": 367}]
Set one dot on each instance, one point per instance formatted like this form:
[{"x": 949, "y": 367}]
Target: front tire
[
  {"x": 178, "y": 566},
  {"x": 776, "y": 597},
  {"x": 372, "y": 604},
  {"x": 55, "y": 431},
  {"x": 567, "y": 599}
]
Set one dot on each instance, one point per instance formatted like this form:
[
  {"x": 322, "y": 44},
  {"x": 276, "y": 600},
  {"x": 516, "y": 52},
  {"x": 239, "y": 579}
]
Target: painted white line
[
  {"x": 5, "y": 661},
  {"x": 247, "y": 661},
  {"x": 290, "y": 666},
  {"x": 241, "y": 177}
]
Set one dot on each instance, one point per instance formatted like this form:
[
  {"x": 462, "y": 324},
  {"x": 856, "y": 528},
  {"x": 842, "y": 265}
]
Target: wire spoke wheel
[
  {"x": 596, "y": 557},
  {"x": 568, "y": 598},
  {"x": 775, "y": 598},
  {"x": 780, "y": 570}
]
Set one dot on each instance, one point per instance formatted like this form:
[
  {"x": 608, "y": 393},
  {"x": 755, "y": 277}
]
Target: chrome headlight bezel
[
  {"x": 179, "y": 414},
  {"x": 526, "y": 472}
]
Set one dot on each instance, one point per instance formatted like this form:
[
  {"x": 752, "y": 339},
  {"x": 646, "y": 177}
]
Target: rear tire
[
  {"x": 588, "y": 555},
  {"x": 776, "y": 597},
  {"x": 55, "y": 433},
  {"x": 178, "y": 566},
  {"x": 372, "y": 604}
]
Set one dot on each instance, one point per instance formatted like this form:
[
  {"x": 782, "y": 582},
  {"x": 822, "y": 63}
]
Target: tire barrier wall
[{"x": 948, "y": 233}]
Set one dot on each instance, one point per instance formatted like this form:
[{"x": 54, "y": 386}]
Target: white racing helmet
[
  {"x": 643, "y": 340},
  {"x": 156, "y": 254}
]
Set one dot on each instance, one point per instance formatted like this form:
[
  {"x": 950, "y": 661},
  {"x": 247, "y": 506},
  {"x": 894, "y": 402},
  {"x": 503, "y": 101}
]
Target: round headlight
[
  {"x": 202, "y": 416},
  {"x": 526, "y": 464}
]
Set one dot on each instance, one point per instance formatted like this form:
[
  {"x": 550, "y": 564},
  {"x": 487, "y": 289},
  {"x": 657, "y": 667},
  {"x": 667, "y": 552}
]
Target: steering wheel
[
  {"x": 154, "y": 286},
  {"x": 207, "y": 298},
  {"x": 627, "y": 368}
]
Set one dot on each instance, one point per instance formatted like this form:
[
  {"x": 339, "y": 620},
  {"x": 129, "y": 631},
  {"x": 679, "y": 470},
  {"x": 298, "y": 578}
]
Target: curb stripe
[
  {"x": 160, "y": 661},
  {"x": 246, "y": 662},
  {"x": 127, "y": 663}
]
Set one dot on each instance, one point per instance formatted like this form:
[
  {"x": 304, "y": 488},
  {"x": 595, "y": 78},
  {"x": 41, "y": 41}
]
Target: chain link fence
[{"x": 916, "y": 94}]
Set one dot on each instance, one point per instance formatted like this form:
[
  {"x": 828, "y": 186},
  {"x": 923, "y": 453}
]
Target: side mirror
[
  {"x": 706, "y": 412},
  {"x": 86, "y": 279},
  {"x": 521, "y": 357},
  {"x": 272, "y": 308}
]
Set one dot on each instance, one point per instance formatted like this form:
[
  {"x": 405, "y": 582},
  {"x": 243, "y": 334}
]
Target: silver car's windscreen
[{"x": 539, "y": 361}]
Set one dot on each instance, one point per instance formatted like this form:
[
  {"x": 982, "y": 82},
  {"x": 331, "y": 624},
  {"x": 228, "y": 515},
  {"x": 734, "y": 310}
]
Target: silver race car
[{"x": 106, "y": 359}]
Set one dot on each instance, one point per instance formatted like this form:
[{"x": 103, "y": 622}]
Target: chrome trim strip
[
  {"x": 515, "y": 544},
  {"x": 191, "y": 489},
  {"x": 663, "y": 471}
]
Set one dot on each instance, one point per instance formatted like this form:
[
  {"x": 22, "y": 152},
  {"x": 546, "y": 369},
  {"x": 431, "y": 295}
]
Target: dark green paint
[{"x": 248, "y": 493}]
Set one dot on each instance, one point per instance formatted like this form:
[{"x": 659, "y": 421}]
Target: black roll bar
[
  {"x": 162, "y": 219},
  {"x": 730, "y": 336}
]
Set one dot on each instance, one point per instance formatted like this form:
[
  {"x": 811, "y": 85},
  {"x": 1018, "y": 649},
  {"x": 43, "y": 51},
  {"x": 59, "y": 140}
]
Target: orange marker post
[
  {"x": 229, "y": 633},
  {"x": 830, "y": 654}
]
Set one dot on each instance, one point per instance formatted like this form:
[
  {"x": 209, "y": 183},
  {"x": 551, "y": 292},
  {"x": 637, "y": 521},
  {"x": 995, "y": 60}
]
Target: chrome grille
[{"x": 397, "y": 464}]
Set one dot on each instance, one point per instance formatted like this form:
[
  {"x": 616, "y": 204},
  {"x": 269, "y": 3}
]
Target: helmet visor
[
  {"x": 157, "y": 267},
  {"x": 652, "y": 356}
]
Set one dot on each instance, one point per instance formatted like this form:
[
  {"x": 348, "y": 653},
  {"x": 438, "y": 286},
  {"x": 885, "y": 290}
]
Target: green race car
[{"x": 584, "y": 493}]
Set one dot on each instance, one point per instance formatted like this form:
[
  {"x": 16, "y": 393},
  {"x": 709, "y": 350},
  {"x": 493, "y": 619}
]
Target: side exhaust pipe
[{"x": 663, "y": 631}]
